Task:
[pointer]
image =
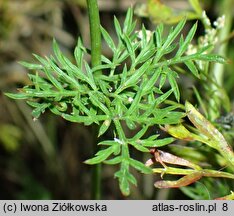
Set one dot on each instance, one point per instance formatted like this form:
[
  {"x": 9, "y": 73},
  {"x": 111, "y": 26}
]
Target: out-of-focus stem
[{"x": 218, "y": 69}]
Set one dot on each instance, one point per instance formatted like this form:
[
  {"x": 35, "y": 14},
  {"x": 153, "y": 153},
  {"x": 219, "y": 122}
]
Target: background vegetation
[{"x": 43, "y": 159}]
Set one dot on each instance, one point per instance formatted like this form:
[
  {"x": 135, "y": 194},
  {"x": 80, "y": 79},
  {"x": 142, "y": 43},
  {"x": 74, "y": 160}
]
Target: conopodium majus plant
[{"x": 130, "y": 90}]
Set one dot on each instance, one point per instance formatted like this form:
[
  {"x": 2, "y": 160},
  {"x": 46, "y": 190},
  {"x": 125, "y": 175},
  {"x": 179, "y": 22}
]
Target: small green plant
[{"x": 126, "y": 90}]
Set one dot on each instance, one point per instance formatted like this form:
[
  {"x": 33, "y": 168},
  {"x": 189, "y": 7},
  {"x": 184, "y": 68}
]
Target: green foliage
[
  {"x": 10, "y": 137},
  {"x": 129, "y": 91},
  {"x": 205, "y": 189},
  {"x": 32, "y": 189},
  {"x": 161, "y": 12}
]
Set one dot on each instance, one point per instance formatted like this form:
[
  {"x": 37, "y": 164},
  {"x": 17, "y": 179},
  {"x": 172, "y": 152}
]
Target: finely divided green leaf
[
  {"x": 140, "y": 166},
  {"x": 130, "y": 47},
  {"x": 100, "y": 156},
  {"x": 81, "y": 106},
  {"x": 139, "y": 146},
  {"x": 212, "y": 57},
  {"x": 107, "y": 142},
  {"x": 173, "y": 34},
  {"x": 42, "y": 60},
  {"x": 128, "y": 22},
  {"x": 131, "y": 124},
  {"x": 40, "y": 109},
  {"x": 31, "y": 66},
  {"x": 145, "y": 55},
  {"x": 172, "y": 80},
  {"x": 158, "y": 35},
  {"x": 140, "y": 133},
  {"x": 131, "y": 178},
  {"x": 162, "y": 80},
  {"x": 78, "y": 119},
  {"x": 79, "y": 53},
  {"x": 157, "y": 143},
  {"x": 66, "y": 64},
  {"x": 104, "y": 127},
  {"x": 72, "y": 70},
  {"x": 52, "y": 79},
  {"x": 162, "y": 98},
  {"x": 169, "y": 49},
  {"x": 144, "y": 41},
  {"x": 135, "y": 103},
  {"x": 135, "y": 78},
  {"x": 191, "y": 66},
  {"x": 183, "y": 46},
  {"x": 113, "y": 161},
  {"x": 40, "y": 83},
  {"x": 97, "y": 102},
  {"x": 122, "y": 175},
  {"x": 18, "y": 96},
  {"x": 152, "y": 81},
  {"x": 108, "y": 39},
  {"x": 62, "y": 74},
  {"x": 117, "y": 27},
  {"x": 90, "y": 74}
]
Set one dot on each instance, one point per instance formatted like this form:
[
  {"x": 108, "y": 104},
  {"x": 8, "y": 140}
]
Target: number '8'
[{"x": 225, "y": 207}]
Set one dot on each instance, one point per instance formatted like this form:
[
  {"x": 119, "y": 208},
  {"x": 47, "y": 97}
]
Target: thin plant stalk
[
  {"x": 95, "y": 36},
  {"x": 218, "y": 69},
  {"x": 95, "y": 33}
]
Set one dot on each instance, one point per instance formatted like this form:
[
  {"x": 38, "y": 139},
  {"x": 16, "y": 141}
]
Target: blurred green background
[{"x": 43, "y": 159}]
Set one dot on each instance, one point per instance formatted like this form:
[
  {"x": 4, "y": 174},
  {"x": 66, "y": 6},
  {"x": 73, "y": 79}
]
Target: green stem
[
  {"x": 218, "y": 69},
  {"x": 96, "y": 169},
  {"x": 95, "y": 35}
]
